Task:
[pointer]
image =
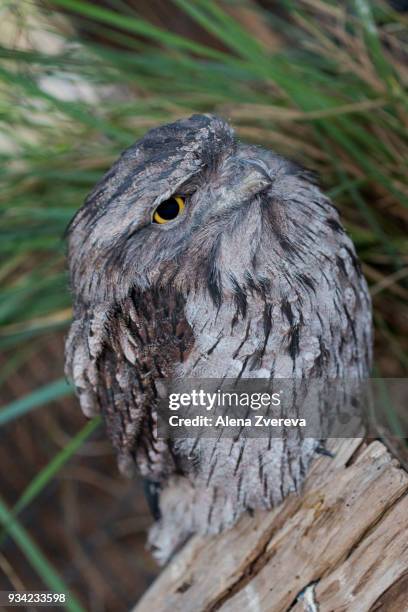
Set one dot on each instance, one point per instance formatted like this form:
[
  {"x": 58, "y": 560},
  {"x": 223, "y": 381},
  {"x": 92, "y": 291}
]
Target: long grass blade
[
  {"x": 44, "y": 476},
  {"x": 40, "y": 397},
  {"x": 37, "y": 559}
]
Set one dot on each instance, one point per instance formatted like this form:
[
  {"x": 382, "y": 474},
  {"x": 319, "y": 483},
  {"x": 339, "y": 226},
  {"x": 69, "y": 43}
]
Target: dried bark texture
[{"x": 340, "y": 546}]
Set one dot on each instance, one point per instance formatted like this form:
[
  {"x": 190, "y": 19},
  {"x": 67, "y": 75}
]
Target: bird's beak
[{"x": 254, "y": 177}]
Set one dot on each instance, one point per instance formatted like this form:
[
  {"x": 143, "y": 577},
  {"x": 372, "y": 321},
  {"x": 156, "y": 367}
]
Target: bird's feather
[{"x": 256, "y": 279}]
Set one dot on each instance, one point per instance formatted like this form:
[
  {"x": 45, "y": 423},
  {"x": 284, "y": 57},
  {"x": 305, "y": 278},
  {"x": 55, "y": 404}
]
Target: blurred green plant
[
  {"x": 37, "y": 559},
  {"x": 44, "y": 476},
  {"x": 12, "y": 527},
  {"x": 324, "y": 84},
  {"x": 336, "y": 101}
]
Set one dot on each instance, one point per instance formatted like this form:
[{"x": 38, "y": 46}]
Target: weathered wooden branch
[{"x": 340, "y": 546}]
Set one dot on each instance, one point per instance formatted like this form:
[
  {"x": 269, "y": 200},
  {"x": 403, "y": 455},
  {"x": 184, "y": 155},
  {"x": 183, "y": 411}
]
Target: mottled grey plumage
[{"x": 256, "y": 278}]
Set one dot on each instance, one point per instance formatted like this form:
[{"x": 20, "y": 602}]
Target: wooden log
[{"x": 341, "y": 545}]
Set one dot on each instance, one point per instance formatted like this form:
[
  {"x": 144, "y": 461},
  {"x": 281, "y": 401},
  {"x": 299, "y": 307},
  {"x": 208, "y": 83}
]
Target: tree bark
[{"x": 340, "y": 546}]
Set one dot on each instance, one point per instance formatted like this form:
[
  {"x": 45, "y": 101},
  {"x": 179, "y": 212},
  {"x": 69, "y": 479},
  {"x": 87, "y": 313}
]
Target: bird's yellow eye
[{"x": 168, "y": 210}]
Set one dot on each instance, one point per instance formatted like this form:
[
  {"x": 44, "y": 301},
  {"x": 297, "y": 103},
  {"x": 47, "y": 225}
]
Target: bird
[{"x": 198, "y": 256}]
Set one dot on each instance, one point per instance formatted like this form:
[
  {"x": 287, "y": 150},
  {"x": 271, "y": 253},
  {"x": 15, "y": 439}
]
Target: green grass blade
[
  {"x": 223, "y": 27},
  {"x": 137, "y": 26},
  {"x": 43, "y": 477},
  {"x": 55, "y": 390},
  {"x": 373, "y": 43},
  {"x": 37, "y": 559}
]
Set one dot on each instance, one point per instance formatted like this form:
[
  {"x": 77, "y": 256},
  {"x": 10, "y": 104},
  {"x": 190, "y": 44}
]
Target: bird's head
[{"x": 191, "y": 206}]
